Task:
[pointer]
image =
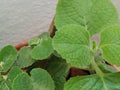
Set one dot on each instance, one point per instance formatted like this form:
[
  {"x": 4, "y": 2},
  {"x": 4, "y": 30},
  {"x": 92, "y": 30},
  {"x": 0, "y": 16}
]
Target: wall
[{"x": 21, "y": 20}]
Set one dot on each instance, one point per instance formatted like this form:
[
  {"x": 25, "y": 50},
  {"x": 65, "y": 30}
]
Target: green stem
[{"x": 97, "y": 69}]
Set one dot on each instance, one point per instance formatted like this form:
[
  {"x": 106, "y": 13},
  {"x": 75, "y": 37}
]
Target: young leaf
[
  {"x": 92, "y": 14},
  {"x": 22, "y": 82},
  {"x": 24, "y": 58},
  {"x": 93, "y": 82},
  {"x": 34, "y": 41},
  {"x": 8, "y": 55},
  {"x": 40, "y": 38},
  {"x": 58, "y": 69},
  {"x": 110, "y": 44},
  {"x": 43, "y": 50},
  {"x": 41, "y": 80},
  {"x": 73, "y": 44}
]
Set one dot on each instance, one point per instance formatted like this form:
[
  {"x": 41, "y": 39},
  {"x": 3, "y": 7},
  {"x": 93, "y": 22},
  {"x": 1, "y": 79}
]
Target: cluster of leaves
[
  {"x": 77, "y": 21},
  {"x": 33, "y": 67}
]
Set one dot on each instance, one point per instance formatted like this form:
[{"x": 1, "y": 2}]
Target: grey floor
[{"x": 21, "y": 20}]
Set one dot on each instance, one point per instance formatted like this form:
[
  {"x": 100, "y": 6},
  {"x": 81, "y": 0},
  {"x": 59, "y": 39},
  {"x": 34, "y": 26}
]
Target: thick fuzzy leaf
[
  {"x": 34, "y": 41},
  {"x": 8, "y": 55},
  {"x": 107, "y": 68},
  {"x": 73, "y": 44},
  {"x": 4, "y": 85},
  {"x": 40, "y": 38},
  {"x": 58, "y": 69},
  {"x": 94, "y": 82},
  {"x": 110, "y": 44},
  {"x": 41, "y": 80},
  {"x": 43, "y": 50},
  {"x": 11, "y": 76},
  {"x": 13, "y": 73},
  {"x": 6, "y": 81},
  {"x": 22, "y": 82},
  {"x": 44, "y": 35},
  {"x": 24, "y": 58},
  {"x": 92, "y": 14}
]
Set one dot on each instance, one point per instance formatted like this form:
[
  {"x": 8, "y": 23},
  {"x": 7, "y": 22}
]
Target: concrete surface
[{"x": 21, "y": 20}]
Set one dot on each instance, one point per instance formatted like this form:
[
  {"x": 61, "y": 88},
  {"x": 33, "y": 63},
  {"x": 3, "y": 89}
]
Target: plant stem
[{"x": 97, "y": 69}]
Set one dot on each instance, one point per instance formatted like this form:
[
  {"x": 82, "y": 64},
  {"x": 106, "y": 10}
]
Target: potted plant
[{"x": 52, "y": 60}]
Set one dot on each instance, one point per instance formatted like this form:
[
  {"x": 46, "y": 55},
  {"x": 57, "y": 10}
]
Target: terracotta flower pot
[{"x": 19, "y": 46}]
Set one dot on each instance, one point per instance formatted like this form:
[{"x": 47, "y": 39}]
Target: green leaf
[
  {"x": 22, "y": 82},
  {"x": 110, "y": 44},
  {"x": 4, "y": 85},
  {"x": 92, "y": 14},
  {"x": 73, "y": 44},
  {"x": 34, "y": 41},
  {"x": 40, "y": 38},
  {"x": 41, "y": 80},
  {"x": 13, "y": 73},
  {"x": 44, "y": 35},
  {"x": 7, "y": 80},
  {"x": 43, "y": 50},
  {"x": 94, "y": 82},
  {"x": 8, "y": 55},
  {"x": 107, "y": 68},
  {"x": 58, "y": 69},
  {"x": 1, "y": 82},
  {"x": 55, "y": 53},
  {"x": 24, "y": 58}
]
